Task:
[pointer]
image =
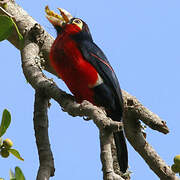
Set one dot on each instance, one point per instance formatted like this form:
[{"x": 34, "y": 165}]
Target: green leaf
[
  {"x": 5, "y": 122},
  {"x": 6, "y": 27},
  {"x": 16, "y": 154},
  {"x": 19, "y": 174},
  {"x": 12, "y": 175}
]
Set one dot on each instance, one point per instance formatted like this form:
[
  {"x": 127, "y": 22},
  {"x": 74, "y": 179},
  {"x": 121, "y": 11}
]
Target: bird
[{"x": 86, "y": 71}]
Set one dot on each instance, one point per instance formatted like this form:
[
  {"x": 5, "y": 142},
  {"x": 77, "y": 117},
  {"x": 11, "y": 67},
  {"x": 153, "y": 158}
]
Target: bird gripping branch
[{"x": 82, "y": 65}]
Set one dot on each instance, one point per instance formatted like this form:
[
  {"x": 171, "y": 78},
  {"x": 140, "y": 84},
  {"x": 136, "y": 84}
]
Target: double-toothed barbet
[{"x": 82, "y": 65}]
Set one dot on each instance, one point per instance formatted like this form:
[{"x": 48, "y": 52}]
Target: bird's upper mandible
[{"x": 64, "y": 19}]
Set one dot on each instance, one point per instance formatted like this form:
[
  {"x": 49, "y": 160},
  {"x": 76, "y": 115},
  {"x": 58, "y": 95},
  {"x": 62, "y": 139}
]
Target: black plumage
[{"x": 108, "y": 94}]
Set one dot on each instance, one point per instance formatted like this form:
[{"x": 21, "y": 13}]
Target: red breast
[{"x": 78, "y": 74}]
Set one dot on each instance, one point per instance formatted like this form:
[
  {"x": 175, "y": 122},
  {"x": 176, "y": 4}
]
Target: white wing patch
[{"x": 98, "y": 82}]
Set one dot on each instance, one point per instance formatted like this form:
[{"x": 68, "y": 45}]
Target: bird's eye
[{"x": 77, "y": 21}]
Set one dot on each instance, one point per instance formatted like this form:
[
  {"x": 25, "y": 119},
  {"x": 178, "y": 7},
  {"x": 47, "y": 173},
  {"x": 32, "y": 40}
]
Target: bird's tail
[
  {"x": 121, "y": 147},
  {"x": 120, "y": 143}
]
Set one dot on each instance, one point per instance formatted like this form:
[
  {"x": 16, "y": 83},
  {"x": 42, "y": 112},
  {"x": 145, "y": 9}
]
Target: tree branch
[
  {"x": 106, "y": 156},
  {"x": 149, "y": 118},
  {"x": 46, "y": 160},
  {"x": 35, "y": 55},
  {"x": 135, "y": 137}
]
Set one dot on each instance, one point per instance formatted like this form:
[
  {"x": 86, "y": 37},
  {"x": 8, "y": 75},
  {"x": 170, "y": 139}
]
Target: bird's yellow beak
[{"x": 58, "y": 19}]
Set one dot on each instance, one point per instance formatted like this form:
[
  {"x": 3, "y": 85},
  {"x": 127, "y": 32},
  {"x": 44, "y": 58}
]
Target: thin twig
[{"x": 3, "y": 11}]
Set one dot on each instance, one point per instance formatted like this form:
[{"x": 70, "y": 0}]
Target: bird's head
[{"x": 66, "y": 22}]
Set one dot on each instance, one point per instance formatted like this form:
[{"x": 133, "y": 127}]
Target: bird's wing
[{"x": 94, "y": 55}]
